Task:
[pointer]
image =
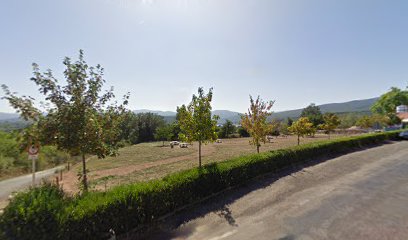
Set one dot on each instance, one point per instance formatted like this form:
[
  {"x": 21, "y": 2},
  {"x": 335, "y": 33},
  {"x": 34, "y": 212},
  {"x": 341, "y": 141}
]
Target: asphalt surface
[
  {"x": 361, "y": 195},
  {"x": 11, "y": 185}
]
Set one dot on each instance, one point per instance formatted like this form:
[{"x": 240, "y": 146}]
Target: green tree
[
  {"x": 164, "y": 133},
  {"x": 386, "y": 105},
  {"x": 242, "y": 132},
  {"x": 289, "y": 121},
  {"x": 195, "y": 121},
  {"x": 141, "y": 127},
  {"x": 147, "y": 123},
  {"x": 227, "y": 129},
  {"x": 175, "y": 129},
  {"x": 276, "y": 127},
  {"x": 380, "y": 121},
  {"x": 313, "y": 113},
  {"x": 331, "y": 122},
  {"x": 301, "y": 127},
  {"x": 79, "y": 119},
  {"x": 283, "y": 128},
  {"x": 255, "y": 121},
  {"x": 349, "y": 119},
  {"x": 365, "y": 122}
]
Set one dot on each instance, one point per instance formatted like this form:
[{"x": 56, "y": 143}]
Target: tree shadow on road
[{"x": 226, "y": 213}]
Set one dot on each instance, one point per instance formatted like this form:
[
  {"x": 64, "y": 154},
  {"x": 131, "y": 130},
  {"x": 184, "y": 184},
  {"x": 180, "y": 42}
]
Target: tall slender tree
[
  {"x": 331, "y": 121},
  {"x": 313, "y": 113},
  {"x": 79, "y": 119},
  {"x": 255, "y": 121},
  {"x": 164, "y": 133},
  {"x": 301, "y": 127},
  {"x": 196, "y": 122}
]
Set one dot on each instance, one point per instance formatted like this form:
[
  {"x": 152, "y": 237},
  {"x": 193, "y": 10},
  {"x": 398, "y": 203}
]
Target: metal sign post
[{"x": 33, "y": 155}]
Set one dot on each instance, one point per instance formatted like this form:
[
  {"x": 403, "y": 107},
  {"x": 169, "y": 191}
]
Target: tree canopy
[
  {"x": 331, "y": 122},
  {"x": 196, "y": 122},
  {"x": 313, "y": 113},
  {"x": 79, "y": 119},
  {"x": 226, "y": 129},
  {"x": 386, "y": 105},
  {"x": 301, "y": 127},
  {"x": 164, "y": 133},
  {"x": 255, "y": 121}
]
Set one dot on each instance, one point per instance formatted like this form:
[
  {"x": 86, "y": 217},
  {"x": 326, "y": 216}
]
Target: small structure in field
[
  {"x": 218, "y": 141},
  {"x": 183, "y": 145}
]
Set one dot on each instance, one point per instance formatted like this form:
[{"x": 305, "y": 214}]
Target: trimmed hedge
[{"x": 44, "y": 213}]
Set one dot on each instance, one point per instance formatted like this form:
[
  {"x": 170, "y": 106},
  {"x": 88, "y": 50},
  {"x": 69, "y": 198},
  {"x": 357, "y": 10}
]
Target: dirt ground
[{"x": 146, "y": 161}]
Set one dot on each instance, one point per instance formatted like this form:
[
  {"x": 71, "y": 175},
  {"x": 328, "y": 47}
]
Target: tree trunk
[
  {"x": 199, "y": 153},
  {"x": 298, "y": 140},
  {"x": 84, "y": 177},
  {"x": 257, "y": 148},
  {"x": 163, "y": 143}
]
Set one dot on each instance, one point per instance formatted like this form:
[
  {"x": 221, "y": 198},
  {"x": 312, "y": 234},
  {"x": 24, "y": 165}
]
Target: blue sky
[{"x": 292, "y": 51}]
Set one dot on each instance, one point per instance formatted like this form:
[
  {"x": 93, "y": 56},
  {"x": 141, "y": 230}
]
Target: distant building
[
  {"x": 402, "y": 109},
  {"x": 402, "y": 113}
]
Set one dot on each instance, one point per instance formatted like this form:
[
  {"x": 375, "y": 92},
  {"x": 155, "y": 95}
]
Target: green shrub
[
  {"x": 53, "y": 156},
  {"x": 8, "y": 146},
  {"x": 33, "y": 214},
  {"x": 126, "y": 207},
  {"x": 5, "y": 163}
]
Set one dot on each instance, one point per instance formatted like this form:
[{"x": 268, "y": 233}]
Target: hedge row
[{"x": 44, "y": 213}]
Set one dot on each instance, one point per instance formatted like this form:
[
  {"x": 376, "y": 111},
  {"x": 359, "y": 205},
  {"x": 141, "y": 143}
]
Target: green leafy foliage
[
  {"x": 301, "y": 128},
  {"x": 34, "y": 214},
  {"x": 227, "y": 129},
  {"x": 331, "y": 122},
  {"x": 79, "y": 120},
  {"x": 243, "y": 132},
  {"x": 255, "y": 121},
  {"x": 141, "y": 127},
  {"x": 313, "y": 113},
  {"x": 196, "y": 122},
  {"x": 127, "y": 207},
  {"x": 386, "y": 105},
  {"x": 9, "y": 146},
  {"x": 14, "y": 159},
  {"x": 164, "y": 133},
  {"x": 365, "y": 122}
]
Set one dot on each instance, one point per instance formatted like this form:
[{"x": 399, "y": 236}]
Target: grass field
[{"x": 146, "y": 161}]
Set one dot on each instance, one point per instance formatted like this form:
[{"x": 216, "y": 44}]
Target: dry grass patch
[{"x": 213, "y": 152}]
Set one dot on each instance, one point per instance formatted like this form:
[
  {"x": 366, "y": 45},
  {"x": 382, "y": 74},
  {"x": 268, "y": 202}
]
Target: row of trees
[{"x": 82, "y": 119}]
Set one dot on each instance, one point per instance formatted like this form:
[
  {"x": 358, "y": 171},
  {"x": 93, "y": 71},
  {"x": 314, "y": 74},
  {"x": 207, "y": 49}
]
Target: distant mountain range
[
  {"x": 345, "y": 107},
  {"x": 9, "y": 116}
]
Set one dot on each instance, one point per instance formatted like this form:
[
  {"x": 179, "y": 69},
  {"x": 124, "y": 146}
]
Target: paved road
[
  {"x": 15, "y": 184},
  {"x": 362, "y": 195}
]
